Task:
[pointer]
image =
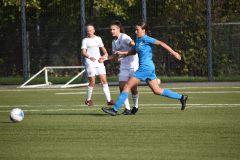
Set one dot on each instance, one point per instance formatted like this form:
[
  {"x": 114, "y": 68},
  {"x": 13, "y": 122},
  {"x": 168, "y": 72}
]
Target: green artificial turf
[{"x": 57, "y": 125}]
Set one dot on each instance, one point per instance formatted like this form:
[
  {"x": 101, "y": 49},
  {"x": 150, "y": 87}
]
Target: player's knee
[
  {"x": 134, "y": 91},
  {"x": 91, "y": 84},
  {"x": 103, "y": 82},
  {"x": 121, "y": 88},
  {"x": 126, "y": 88}
]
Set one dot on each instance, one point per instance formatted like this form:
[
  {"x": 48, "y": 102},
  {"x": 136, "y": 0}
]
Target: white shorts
[
  {"x": 93, "y": 71},
  {"x": 125, "y": 74}
]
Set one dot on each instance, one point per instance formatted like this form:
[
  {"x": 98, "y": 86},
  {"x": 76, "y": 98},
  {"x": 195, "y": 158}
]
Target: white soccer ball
[{"x": 16, "y": 115}]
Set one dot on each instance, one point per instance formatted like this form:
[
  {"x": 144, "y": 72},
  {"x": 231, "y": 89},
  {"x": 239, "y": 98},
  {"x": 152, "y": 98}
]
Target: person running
[
  {"x": 128, "y": 64},
  {"x": 90, "y": 50},
  {"x": 146, "y": 70}
]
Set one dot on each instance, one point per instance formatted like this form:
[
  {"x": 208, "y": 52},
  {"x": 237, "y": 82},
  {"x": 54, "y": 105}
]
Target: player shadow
[
  {"x": 6, "y": 122},
  {"x": 76, "y": 114}
]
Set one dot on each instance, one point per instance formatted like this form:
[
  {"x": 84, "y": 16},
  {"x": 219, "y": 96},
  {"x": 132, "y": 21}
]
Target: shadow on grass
[
  {"x": 75, "y": 114},
  {"x": 8, "y": 122}
]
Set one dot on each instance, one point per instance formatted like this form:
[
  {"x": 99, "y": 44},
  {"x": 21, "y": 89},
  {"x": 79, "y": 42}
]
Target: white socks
[
  {"x": 89, "y": 92},
  {"x": 135, "y": 100},
  {"x": 106, "y": 92},
  {"x": 127, "y": 105},
  {"x": 108, "y": 96}
]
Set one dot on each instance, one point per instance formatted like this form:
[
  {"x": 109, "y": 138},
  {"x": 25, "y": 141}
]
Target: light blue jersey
[{"x": 143, "y": 47}]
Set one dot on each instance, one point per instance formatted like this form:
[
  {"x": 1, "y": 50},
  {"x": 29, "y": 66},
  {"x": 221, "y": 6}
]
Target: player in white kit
[
  {"x": 128, "y": 64},
  {"x": 90, "y": 50}
]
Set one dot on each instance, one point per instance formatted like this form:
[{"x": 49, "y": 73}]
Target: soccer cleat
[
  {"x": 183, "y": 100},
  {"x": 134, "y": 110},
  {"x": 89, "y": 102},
  {"x": 110, "y": 111},
  {"x": 127, "y": 112},
  {"x": 111, "y": 102}
]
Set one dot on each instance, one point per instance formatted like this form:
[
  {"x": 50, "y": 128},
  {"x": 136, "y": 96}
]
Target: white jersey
[
  {"x": 122, "y": 44},
  {"x": 92, "y": 46}
]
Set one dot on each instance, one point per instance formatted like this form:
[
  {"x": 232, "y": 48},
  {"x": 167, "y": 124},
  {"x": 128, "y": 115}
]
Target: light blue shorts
[{"x": 145, "y": 75}]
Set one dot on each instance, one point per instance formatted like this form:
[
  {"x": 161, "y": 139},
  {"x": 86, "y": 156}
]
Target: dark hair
[
  {"x": 144, "y": 26},
  {"x": 119, "y": 24}
]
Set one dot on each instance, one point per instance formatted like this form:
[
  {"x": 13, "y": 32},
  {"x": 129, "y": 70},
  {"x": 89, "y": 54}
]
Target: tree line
[{"x": 54, "y": 33}]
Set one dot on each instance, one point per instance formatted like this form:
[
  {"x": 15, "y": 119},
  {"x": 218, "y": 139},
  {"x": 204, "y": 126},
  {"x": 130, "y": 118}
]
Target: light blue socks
[
  {"x": 166, "y": 93},
  {"x": 123, "y": 96},
  {"x": 170, "y": 94}
]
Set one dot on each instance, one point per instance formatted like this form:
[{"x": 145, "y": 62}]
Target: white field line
[
  {"x": 112, "y": 88},
  {"x": 144, "y": 92},
  {"x": 143, "y": 106},
  {"x": 42, "y": 105},
  {"x": 83, "y": 105}
]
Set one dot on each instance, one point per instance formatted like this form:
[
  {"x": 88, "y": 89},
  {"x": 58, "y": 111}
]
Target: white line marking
[
  {"x": 163, "y": 106},
  {"x": 62, "y": 109},
  {"x": 41, "y": 105},
  {"x": 75, "y": 93},
  {"x": 202, "y": 87},
  {"x": 95, "y": 105},
  {"x": 213, "y": 92},
  {"x": 112, "y": 88},
  {"x": 71, "y": 93},
  {"x": 113, "y": 92},
  {"x": 193, "y": 104}
]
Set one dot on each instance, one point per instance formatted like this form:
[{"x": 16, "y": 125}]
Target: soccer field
[{"x": 57, "y": 125}]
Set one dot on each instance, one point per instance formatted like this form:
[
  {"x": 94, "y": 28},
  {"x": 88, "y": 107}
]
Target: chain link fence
[{"x": 54, "y": 35}]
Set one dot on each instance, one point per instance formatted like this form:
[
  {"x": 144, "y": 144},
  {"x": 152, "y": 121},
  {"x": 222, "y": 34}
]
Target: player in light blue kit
[{"x": 146, "y": 70}]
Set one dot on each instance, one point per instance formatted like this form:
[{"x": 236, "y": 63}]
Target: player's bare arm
[
  {"x": 105, "y": 56},
  {"x": 119, "y": 54},
  {"x": 130, "y": 52},
  {"x": 132, "y": 43},
  {"x": 108, "y": 58},
  {"x": 169, "y": 49},
  {"x": 126, "y": 53},
  {"x": 86, "y": 55},
  {"x": 104, "y": 51}
]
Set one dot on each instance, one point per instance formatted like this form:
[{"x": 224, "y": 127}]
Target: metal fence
[{"x": 54, "y": 35}]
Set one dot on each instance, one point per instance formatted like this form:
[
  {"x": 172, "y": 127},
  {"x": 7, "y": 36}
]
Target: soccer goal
[{"x": 48, "y": 84}]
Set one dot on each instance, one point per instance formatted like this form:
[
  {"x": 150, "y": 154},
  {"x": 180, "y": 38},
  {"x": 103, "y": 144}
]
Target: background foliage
[{"x": 54, "y": 33}]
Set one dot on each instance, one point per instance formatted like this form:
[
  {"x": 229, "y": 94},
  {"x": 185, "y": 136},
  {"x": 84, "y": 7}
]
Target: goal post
[{"x": 48, "y": 84}]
